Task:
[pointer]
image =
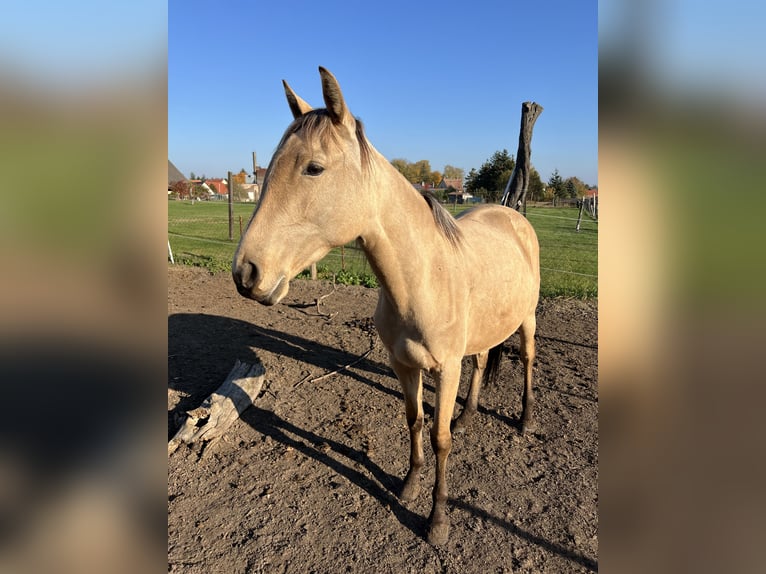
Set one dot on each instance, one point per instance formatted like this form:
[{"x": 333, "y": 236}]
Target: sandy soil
[{"x": 307, "y": 480}]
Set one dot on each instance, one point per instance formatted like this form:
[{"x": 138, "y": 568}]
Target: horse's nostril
[{"x": 246, "y": 275}]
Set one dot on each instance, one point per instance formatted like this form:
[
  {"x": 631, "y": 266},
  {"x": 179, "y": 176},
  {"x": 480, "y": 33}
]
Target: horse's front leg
[
  {"x": 447, "y": 380},
  {"x": 412, "y": 388}
]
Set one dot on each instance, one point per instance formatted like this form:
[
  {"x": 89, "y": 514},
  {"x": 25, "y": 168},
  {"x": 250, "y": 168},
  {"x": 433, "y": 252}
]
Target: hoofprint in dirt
[{"x": 307, "y": 480}]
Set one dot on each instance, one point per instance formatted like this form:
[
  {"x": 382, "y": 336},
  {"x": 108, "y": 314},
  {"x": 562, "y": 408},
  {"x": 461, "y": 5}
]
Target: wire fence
[{"x": 198, "y": 235}]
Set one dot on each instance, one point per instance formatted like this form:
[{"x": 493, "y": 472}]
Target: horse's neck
[{"x": 403, "y": 244}]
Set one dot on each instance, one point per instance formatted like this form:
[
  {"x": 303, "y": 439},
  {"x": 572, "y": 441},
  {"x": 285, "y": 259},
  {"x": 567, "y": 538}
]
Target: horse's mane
[
  {"x": 444, "y": 220},
  {"x": 315, "y": 124}
]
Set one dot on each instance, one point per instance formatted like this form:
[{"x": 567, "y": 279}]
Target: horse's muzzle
[
  {"x": 245, "y": 275},
  {"x": 247, "y": 278}
]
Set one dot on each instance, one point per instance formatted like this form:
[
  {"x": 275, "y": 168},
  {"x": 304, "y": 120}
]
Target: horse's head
[{"x": 311, "y": 199}]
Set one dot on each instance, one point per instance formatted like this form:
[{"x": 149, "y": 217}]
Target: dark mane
[
  {"x": 315, "y": 124},
  {"x": 444, "y": 220}
]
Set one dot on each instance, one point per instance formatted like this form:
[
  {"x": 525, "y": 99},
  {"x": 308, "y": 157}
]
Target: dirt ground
[{"x": 306, "y": 481}]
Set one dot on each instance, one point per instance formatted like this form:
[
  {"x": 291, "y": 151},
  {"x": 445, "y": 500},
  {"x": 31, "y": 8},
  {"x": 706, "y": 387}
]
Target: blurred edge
[
  {"x": 83, "y": 318},
  {"x": 83, "y": 326},
  {"x": 682, "y": 283}
]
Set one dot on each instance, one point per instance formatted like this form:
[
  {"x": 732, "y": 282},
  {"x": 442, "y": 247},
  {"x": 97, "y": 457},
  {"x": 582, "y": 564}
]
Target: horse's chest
[{"x": 407, "y": 345}]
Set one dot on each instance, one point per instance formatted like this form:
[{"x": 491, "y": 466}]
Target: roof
[
  {"x": 174, "y": 174},
  {"x": 454, "y": 183},
  {"x": 218, "y": 185}
]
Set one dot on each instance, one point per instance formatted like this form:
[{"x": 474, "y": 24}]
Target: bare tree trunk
[{"x": 516, "y": 191}]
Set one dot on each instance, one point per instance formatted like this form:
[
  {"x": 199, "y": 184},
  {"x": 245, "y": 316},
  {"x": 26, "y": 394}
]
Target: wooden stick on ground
[
  {"x": 320, "y": 299},
  {"x": 223, "y": 407},
  {"x": 340, "y": 369}
]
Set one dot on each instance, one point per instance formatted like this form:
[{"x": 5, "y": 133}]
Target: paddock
[{"x": 302, "y": 483}]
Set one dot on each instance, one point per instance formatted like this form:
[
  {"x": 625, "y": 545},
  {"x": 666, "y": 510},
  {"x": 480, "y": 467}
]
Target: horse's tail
[{"x": 493, "y": 364}]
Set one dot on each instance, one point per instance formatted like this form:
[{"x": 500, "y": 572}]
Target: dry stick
[
  {"x": 336, "y": 371},
  {"x": 319, "y": 300}
]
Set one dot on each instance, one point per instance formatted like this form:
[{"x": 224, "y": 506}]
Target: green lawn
[{"x": 199, "y": 235}]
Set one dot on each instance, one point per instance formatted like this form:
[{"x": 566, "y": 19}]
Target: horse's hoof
[
  {"x": 411, "y": 489},
  {"x": 458, "y": 426},
  {"x": 438, "y": 534},
  {"x": 528, "y": 427}
]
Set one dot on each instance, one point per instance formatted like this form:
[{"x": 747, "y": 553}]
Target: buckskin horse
[{"x": 449, "y": 287}]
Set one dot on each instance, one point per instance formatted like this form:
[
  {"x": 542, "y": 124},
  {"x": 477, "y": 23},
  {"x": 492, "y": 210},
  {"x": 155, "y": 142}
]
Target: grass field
[{"x": 199, "y": 235}]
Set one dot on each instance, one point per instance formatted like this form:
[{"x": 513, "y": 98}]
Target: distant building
[
  {"x": 458, "y": 193},
  {"x": 174, "y": 176}
]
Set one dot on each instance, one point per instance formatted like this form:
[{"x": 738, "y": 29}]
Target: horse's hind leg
[
  {"x": 527, "y": 348},
  {"x": 472, "y": 401},
  {"x": 412, "y": 388}
]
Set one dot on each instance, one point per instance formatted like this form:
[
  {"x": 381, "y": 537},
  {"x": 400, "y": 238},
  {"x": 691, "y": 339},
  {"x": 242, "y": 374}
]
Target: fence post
[
  {"x": 231, "y": 209},
  {"x": 579, "y": 215}
]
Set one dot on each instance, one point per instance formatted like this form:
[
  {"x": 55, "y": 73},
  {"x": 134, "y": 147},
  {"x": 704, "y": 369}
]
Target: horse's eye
[{"x": 313, "y": 169}]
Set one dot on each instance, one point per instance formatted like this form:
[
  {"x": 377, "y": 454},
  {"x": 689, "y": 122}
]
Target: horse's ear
[
  {"x": 297, "y": 105},
  {"x": 333, "y": 99}
]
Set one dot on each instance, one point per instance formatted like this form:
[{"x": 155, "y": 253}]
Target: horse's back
[{"x": 503, "y": 228}]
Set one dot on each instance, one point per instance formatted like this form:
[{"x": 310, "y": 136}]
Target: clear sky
[{"x": 442, "y": 81}]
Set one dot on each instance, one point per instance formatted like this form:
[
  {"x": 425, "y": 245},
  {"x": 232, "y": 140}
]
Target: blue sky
[{"x": 442, "y": 81}]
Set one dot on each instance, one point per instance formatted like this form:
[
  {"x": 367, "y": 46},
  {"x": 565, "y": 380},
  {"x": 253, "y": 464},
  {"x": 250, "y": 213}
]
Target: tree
[
  {"x": 402, "y": 166},
  {"x": 180, "y": 189},
  {"x": 482, "y": 193},
  {"x": 199, "y": 192},
  {"x": 423, "y": 170},
  {"x": 239, "y": 177},
  {"x": 418, "y": 172},
  {"x": 452, "y": 172},
  {"x": 492, "y": 176},
  {"x": 556, "y": 184},
  {"x": 536, "y": 186},
  {"x": 570, "y": 189},
  {"x": 238, "y": 192},
  {"x": 579, "y": 186}
]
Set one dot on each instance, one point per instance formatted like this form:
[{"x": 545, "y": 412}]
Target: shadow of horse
[{"x": 201, "y": 350}]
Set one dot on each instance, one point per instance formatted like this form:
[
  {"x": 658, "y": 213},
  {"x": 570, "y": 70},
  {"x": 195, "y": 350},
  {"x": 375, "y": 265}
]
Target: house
[
  {"x": 174, "y": 178},
  {"x": 198, "y": 183},
  {"x": 458, "y": 193},
  {"x": 253, "y": 185},
  {"x": 252, "y": 191},
  {"x": 423, "y": 186},
  {"x": 219, "y": 187}
]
